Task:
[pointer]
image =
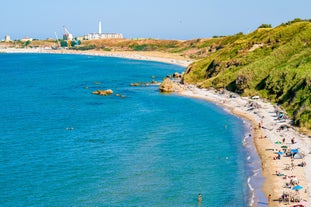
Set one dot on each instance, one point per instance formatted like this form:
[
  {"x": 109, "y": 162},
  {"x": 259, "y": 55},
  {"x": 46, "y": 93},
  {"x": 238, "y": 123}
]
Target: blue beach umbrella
[
  {"x": 294, "y": 151},
  {"x": 280, "y": 153},
  {"x": 297, "y": 187}
]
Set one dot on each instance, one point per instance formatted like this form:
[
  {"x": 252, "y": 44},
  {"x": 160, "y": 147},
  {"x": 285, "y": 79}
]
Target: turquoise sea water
[{"x": 148, "y": 149}]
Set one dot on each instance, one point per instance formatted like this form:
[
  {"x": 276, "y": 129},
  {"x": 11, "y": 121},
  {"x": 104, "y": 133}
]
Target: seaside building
[
  {"x": 25, "y": 39},
  {"x": 7, "y": 38},
  {"x": 100, "y": 35},
  {"x": 96, "y": 36}
]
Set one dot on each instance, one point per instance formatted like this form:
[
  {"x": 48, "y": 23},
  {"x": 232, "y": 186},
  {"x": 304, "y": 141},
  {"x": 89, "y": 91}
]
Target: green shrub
[
  {"x": 142, "y": 47},
  {"x": 86, "y": 47},
  {"x": 265, "y": 26}
]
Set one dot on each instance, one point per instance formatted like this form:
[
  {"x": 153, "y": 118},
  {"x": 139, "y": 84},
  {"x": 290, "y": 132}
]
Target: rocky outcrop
[
  {"x": 177, "y": 75},
  {"x": 241, "y": 83},
  {"x": 103, "y": 92},
  {"x": 167, "y": 86}
]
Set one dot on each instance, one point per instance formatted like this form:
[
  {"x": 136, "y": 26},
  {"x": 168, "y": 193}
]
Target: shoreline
[
  {"x": 238, "y": 106},
  {"x": 134, "y": 55},
  {"x": 264, "y": 138}
]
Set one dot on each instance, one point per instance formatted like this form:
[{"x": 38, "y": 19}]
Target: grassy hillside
[
  {"x": 28, "y": 44},
  {"x": 274, "y": 63},
  {"x": 194, "y": 49}
]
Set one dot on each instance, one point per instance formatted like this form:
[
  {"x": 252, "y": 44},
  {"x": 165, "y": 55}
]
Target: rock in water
[
  {"x": 177, "y": 75},
  {"x": 135, "y": 84},
  {"x": 103, "y": 92},
  {"x": 167, "y": 86}
]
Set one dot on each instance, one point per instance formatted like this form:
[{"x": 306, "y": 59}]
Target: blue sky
[{"x": 165, "y": 19}]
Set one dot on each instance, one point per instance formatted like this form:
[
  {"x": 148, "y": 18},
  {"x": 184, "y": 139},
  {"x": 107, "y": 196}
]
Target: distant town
[{"x": 69, "y": 40}]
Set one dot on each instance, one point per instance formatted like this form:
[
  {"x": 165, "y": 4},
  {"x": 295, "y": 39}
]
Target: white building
[
  {"x": 7, "y": 38},
  {"x": 25, "y": 39},
  {"x": 96, "y": 36},
  {"x": 68, "y": 36},
  {"x": 100, "y": 35}
]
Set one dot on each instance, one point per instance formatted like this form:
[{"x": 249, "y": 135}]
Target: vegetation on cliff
[
  {"x": 194, "y": 49},
  {"x": 274, "y": 63}
]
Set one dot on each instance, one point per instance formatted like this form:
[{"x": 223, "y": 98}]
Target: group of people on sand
[
  {"x": 290, "y": 181},
  {"x": 292, "y": 140}
]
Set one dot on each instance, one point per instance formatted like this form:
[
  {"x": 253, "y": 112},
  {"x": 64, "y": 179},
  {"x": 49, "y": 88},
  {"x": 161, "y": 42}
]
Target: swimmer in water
[{"x": 200, "y": 198}]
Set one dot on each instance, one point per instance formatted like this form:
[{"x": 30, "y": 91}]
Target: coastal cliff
[{"x": 273, "y": 63}]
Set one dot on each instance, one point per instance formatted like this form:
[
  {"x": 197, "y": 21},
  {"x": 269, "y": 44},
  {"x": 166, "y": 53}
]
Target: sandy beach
[
  {"x": 141, "y": 55},
  {"x": 269, "y": 132}
]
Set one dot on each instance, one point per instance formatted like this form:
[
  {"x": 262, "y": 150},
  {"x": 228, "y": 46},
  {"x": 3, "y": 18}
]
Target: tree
[
  {"x": 73, "y": 43},
  {"x": 27, "y": 43},
  {"x": 63, "y": 43},
  {"x": 265, "y": 26}
]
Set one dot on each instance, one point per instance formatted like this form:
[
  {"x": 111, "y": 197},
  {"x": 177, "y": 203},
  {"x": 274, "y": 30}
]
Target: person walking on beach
[
  {"x": 269, "y": 198},
  {"x": 292, "y": 164}
]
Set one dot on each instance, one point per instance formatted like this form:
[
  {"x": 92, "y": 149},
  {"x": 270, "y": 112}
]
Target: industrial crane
[
  {"x": 67, "y": 36},
  {"x": 58, "y": 44}
]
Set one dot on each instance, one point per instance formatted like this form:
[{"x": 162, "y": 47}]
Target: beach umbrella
[
  {"x": 294, "y": 151},
  {"x": 297, "y": 187},
  {"x": 278, "y": 142},
  {"x": 284, "y": 147},
  {"x": 280, "y": 153},
  {"x": 298, "y": 156}
]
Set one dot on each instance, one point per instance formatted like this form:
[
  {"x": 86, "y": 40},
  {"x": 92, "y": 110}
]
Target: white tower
[
  {"x": 7, "y": 38},
  {"x": 99, "y": 27}
]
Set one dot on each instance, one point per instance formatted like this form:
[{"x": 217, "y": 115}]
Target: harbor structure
[
  {"x": 67, "y": 36},
  {"x": 100, "y": 35}
]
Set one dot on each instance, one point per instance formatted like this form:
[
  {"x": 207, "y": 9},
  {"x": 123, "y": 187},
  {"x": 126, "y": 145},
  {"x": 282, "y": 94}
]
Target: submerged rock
[
  {"x": 140, "y": 84},
  {"x": 103, "y": 92},
  {"x": 167, "y": 86},
  {"x": 121, "y": 96},
  {"x": 154, "y": 82},
  {"x": 135, "y": 84}
]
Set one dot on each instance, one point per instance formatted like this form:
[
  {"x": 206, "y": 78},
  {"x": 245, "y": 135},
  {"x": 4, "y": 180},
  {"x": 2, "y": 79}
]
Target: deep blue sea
[{"x": 60, "y": 145}]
